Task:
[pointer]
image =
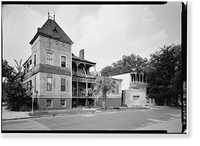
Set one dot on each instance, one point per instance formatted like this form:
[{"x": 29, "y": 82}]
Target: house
[
  {"x": 134, "y": 88},
  {"x": 58, "y": 78}
]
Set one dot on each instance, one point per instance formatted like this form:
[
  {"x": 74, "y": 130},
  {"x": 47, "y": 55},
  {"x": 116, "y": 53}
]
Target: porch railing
[
  {"x": 81, "y": 94},
  {"x": 82, "y": 74}
]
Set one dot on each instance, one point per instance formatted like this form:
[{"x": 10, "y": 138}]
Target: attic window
[{"x": 55, "y": 30}]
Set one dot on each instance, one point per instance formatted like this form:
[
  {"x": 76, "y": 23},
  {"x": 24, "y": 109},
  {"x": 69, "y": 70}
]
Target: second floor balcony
[{"x": 81, "y": 74}]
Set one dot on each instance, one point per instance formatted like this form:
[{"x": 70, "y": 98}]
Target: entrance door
[{"x": 136, "y": 99}]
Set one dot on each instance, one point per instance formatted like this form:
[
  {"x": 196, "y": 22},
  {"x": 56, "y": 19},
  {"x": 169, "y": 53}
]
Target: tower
[
  {"x": 51, "y": 68},
  {"x": 138, "y": 87}
]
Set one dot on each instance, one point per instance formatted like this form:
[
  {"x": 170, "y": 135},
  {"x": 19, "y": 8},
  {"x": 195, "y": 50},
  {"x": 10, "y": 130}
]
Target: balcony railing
[
  {"x": 138, "y": 82},
  {"x": 81, "y": 94},
  {"x": 82, "y": 74}
]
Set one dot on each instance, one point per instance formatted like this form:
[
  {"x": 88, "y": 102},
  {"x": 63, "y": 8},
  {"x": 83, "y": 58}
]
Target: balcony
[
  {"x": 81, "y": 94},
  {"x": 80, "y": 74}
]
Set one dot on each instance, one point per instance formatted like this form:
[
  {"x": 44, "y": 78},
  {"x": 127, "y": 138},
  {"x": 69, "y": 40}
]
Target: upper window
[
  {"x": 49, "y": 58},
  {"x": 63, "y": 61},
  {"x": 63, "y": 85},
  {"x": 49, "y": 83}
]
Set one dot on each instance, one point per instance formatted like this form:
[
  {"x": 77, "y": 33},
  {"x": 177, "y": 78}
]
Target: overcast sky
[{"x": 105, "y": 32}]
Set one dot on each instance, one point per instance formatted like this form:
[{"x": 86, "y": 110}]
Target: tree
[
  {"x": 126, "y": 64},
  {"x": 15, "y": 93},
  {"x": 7, "y": 73},
  {"x": 102, "y": 86},
  {"x": 164, "y": 75}
]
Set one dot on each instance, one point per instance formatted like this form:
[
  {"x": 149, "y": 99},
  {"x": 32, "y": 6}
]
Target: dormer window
[{"x": 55, "y": 30}]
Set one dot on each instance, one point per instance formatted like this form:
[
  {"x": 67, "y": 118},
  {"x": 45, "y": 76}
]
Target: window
[
  {"x": 63, "y": 61},
  {"x": 63, "y": 85},
  {"x": 62, "y": 102},
  {"x": 117, "y": 89},
  {"x": 49, "y": 58},
  {"x": 49, "y": 103},
  {"x": 49, "y": 83},
  {"x": 35, "y": 60}
]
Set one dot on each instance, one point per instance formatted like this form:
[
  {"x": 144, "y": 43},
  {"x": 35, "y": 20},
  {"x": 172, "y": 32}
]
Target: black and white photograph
[{"x": 94, "y": 67}]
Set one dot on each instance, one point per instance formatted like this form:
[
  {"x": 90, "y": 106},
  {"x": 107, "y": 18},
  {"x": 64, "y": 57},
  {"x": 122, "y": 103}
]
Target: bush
[
  {"x": 124, "y": 105},
  {"x": 116, "y": 108},
  {"x": 24, "y": 108}
]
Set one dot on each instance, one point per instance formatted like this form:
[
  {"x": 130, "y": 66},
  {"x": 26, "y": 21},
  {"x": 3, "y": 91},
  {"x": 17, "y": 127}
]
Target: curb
[{"x": 17, "y": 118}]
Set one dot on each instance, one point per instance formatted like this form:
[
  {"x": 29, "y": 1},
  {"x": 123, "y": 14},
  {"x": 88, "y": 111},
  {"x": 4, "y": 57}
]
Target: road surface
[{"x": 117, "y": 120}]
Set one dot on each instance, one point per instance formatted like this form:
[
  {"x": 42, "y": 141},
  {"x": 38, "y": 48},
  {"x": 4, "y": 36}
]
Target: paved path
[{"x": 154, "y": 119}]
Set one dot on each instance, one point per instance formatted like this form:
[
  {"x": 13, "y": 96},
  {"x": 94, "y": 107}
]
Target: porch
[{"x": 81, "y": 94}]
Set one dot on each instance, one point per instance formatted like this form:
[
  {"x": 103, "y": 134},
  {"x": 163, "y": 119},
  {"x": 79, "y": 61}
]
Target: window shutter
[
  {"x": 68, "y": 62},
  {"x": 68, "y": 85},
  {"x": 53, "y": 84}
]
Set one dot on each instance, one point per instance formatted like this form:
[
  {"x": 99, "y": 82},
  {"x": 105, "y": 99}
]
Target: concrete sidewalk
[
  {"x": 11, "y": 115},
  {"x": 171, "y": 126}
]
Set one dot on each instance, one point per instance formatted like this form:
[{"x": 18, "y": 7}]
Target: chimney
[{"x": 81, "y": 54}]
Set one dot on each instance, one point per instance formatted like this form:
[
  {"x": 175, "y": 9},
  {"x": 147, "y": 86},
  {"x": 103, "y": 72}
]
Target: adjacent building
[{"x": 134, "y": 89}]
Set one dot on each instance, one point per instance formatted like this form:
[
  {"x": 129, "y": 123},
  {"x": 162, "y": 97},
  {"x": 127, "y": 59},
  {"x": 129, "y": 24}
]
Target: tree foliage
[
  {"x": 102, "y": 86},
  {"x": 15, "y": 94},
  {"x": 126, "y": 64},
  {"x": 164, "y": 75},
  {"x": 163, "y": 71}
]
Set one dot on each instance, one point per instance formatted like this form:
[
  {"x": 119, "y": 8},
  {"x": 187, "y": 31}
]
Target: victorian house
[{"x": 58, "y": 78}]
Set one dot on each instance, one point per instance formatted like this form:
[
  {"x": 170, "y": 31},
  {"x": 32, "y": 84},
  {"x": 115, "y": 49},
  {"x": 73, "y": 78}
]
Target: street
[{"x": 117, "y": 120}]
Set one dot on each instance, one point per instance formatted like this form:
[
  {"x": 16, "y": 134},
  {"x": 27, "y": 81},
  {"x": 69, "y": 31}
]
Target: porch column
[
  {"x": 136, "y": 77},
  {"x": 86, "y": 94},
  {"x": 86, "y": 91},
  {"x": 77, "y": 92},
  {"x": 143, "y": 78}
]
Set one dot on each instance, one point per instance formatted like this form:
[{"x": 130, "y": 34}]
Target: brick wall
[{"x": 42, "y": 102}]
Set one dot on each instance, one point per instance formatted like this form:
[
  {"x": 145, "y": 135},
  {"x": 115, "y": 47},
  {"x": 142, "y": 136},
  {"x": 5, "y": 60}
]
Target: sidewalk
[
  {"x": 172, "y": 126},
  {"x": 11, "y": 115}
]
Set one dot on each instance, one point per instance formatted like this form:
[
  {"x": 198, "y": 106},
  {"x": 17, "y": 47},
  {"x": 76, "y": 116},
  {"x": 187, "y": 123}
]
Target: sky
[{"x": 105, "y": 32}]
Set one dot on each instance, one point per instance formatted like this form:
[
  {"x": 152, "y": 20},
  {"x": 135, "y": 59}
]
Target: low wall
[{"x": 132, "y": 98}]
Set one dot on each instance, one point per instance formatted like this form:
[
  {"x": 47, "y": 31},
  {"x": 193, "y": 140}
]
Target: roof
[
  {"x": 80, "y": 59},
  {"x": 52, "y": 30}
]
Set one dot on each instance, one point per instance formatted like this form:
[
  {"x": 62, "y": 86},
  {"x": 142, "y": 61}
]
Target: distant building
[
  {"x": 58, "y": 78},
  {"x": 134, "y": 89}
]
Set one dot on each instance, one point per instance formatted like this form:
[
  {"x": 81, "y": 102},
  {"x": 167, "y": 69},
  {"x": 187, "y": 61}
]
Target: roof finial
[
  {"x": 54, "y": 17},
  {"x": 48, "y": 14}
]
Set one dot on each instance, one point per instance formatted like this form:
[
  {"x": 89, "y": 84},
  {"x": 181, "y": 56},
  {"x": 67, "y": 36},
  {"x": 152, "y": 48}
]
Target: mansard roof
[{"x": 52, "y": 30}]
